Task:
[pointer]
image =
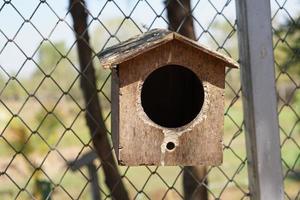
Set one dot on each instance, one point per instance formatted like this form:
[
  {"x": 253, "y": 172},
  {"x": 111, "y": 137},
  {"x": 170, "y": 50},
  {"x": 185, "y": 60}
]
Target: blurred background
[{"x": 43, "y": 107}]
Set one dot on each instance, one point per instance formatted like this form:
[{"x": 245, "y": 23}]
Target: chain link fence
[
  {"x": 42, "y": 110},
  {"x": 286, "y": 22}
]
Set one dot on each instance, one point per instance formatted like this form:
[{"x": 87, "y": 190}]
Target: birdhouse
[{"x": 167, "y": 100}]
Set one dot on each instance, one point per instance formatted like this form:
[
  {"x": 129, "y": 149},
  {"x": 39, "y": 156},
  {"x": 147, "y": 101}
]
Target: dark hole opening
[
  {"x": 170, "y": 146},
  {"x": 172, "y": 96}
]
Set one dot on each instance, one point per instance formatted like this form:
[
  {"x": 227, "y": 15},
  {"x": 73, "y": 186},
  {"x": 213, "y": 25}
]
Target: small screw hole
[{"x": 170, "y": 146}]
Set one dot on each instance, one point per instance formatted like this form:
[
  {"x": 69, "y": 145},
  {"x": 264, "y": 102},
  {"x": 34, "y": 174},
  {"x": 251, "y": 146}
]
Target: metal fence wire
[{"x": 43, "y": 131}]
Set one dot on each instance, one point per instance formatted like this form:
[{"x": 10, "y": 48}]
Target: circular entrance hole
[
  {"x": 170, "y": 146},
  {"x": 172, "y": 96}
]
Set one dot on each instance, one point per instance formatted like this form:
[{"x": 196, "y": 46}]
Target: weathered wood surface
[
  {"x": 139, "y": 141},
  {"x": 140, "y": 44},
  {"x": 115, "y": 92}
]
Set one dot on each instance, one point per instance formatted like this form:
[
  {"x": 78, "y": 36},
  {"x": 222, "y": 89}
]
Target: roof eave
[
  {"x": 116, "y": 59},
  {"x": 229, "y": 62}
]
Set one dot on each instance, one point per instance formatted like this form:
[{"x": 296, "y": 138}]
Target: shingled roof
[{"x": 114, "y": 55}]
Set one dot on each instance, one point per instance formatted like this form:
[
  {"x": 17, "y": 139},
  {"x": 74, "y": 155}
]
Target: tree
[
  {"x": 93, "y": 113},
  {"x": 181, "y": 21}
]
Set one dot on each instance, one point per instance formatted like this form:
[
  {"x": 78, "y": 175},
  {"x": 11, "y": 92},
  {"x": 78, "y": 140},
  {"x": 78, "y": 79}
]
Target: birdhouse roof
[{"x": 114, "y": 55}]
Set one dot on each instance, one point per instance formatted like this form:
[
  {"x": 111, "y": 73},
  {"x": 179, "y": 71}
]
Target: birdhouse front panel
[
  {"x": 167, "y": 101},
  {"x": 176, "y": 125}
]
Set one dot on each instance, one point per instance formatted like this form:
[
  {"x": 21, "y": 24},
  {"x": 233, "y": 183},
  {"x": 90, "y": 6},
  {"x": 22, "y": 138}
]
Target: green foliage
[
  {"x": 17, "y": 135},
  {"x": 288, "y": 52},
  {"x": 226, "y": 36},
  {"x": 54, "y": 60},
  {"x": 13, "y": 90},
  {"x": 287, "y": 55},
  {"x": 42, "y": 189},
  {"x": 48, "y": 129},
  {"x": 2, "y": 81},
  {"x": 49, "y": 123},
  {"x": 50, "y": 55}
]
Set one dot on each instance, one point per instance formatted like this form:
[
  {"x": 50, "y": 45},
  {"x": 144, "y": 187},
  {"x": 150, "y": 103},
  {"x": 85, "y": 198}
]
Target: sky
[{"x": 44, "y": 20}]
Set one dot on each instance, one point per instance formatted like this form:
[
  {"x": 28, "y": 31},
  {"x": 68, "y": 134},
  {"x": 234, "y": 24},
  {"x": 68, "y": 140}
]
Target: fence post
[{"x": 259, "y": 99}]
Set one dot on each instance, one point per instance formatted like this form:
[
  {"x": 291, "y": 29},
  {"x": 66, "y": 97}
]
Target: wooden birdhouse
[{"x": 167, "y": 100}]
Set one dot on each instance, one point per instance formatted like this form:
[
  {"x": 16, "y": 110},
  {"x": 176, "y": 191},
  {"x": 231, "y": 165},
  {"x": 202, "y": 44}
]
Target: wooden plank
[{"x": 115, "y": 92}]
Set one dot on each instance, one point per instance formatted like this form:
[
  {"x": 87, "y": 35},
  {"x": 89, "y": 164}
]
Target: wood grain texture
[
  {"x": 139, "y": 142},
  {"x": 140, "y": 44},
  {"x": 115, "y": 109}
]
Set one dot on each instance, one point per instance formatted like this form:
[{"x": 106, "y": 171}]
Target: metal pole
[{"x": 259, "y": 99}]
